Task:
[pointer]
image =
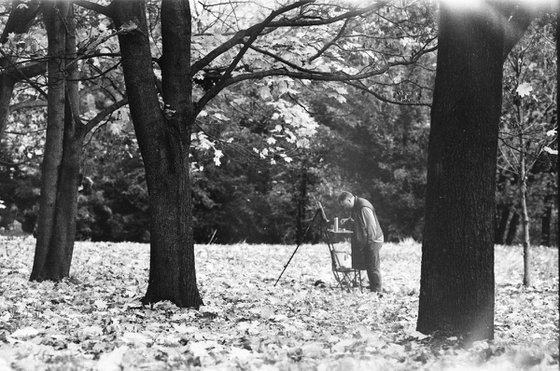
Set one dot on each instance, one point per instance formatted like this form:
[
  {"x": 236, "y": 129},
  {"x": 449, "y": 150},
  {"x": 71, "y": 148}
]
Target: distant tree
[
  {"x": 528, "y": 138},
  {"x": 21, "y": 17},
  {"x": 527, "y": 130},
  {"x": 457, "y": 279}
]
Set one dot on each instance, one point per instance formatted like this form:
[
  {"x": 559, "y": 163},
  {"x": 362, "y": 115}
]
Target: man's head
[{"x": 346, "y": 200}]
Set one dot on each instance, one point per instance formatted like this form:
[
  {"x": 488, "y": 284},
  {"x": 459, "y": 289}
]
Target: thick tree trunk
[
  {"x": 52, "y": 160},
  {"x": 60, "y": 178},
  {"x": 457, "y": 279},
  {"x": 164, "y": 140}
]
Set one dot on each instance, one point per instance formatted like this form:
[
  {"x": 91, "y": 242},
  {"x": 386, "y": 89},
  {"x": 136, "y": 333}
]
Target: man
[{"x": 367, "y": 238}]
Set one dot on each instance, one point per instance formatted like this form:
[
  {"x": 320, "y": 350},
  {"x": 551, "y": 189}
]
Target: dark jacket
[{"x": 367, "y": 231}]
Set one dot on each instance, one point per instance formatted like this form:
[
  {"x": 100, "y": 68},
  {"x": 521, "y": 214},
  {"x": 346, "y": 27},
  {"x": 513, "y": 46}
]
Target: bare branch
[
  {"x": 106, "y": 112},
  {"x": 35, "y": 103},
  {"x": 269, "y": 23},
  {"x": 19, "y": 163},
  {"x": 23, "y": 76},
  {"x": 322, "y": 22},
  {"x": 298, "y": 72},
  {"x": 252, "y": 32},
  {"x": 26, "y": 132},
  {"x": 330, "y": 43},
  {"x": 360, "y": 86},
  {"x": 105, "y": 10}
]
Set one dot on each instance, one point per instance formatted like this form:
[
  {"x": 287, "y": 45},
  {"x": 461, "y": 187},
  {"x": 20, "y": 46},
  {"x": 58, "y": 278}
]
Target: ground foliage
[{"x": 94, "y": 319}]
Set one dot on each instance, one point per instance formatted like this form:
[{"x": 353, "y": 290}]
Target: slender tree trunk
[
  {"x": 457, "y": 279},
  {"x": 546, "y": 219},
  {"x": 63, "y": 150},
  {"x": 523, "y": 201},
  {"x": 301, "y": 203},
  {"x": 501, "y": 225},
  {"x": 164, "y": 140},
  {"x": 512, "y": 228}
]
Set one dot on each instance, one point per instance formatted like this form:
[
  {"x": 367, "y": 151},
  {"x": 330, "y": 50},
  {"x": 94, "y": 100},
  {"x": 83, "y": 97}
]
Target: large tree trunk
[
  {"x": 60, "y": 177},
  {"x": 164, "y": 140},
  {"x": 457, "y": 280}
]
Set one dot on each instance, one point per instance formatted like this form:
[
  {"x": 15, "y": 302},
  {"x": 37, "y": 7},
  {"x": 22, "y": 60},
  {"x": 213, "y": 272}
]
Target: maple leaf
[{"x": 524, "y": 89}]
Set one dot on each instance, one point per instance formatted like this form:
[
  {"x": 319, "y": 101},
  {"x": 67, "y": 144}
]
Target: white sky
[{"x": 546, "y": 4}]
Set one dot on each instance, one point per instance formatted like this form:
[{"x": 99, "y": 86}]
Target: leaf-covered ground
[{"x": 94, "y": 320}]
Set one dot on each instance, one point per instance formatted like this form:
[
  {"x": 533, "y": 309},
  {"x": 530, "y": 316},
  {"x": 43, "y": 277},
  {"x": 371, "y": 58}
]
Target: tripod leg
[{"x": 297, "y": 247}]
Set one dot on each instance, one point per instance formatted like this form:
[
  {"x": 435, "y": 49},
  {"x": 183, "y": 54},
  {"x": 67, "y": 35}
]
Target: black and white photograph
[{"x": 279, "y": 185}]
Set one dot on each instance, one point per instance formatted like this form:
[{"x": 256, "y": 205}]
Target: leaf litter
[{"x": 94, "y": 320}]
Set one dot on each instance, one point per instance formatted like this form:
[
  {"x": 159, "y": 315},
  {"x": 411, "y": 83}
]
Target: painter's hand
[{"x": 343, "y": 221}]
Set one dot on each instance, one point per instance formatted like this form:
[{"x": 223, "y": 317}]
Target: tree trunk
[
  {"x": 512, "y": 228},
  {"x": 7, "y": 84},
  {"x": 457, "y": 279},
  {"x": 501, "y": 225},
  {"x": 301, "y": 203},
  {"x": 546, "y": 219},
  {"x": 523, "y": 201},
  {"x": 164, "y": 140},
  {"x": 63, "y": 149}
]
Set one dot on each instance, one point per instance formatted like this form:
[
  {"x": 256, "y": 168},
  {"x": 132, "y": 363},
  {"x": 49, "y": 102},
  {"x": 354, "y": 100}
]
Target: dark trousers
[{"x": 373, "y": 266}]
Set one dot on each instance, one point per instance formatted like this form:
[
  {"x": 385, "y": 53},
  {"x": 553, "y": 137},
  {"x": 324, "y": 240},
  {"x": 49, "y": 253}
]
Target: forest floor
[{"x": 94, "y": 320}]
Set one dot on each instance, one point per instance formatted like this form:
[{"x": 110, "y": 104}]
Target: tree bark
[
  {"x": 63, "y": 150},
  {"x": 7, "y": 84},
  {"x": 164, "y": 141},
  {"x": 457, "y": 279}
]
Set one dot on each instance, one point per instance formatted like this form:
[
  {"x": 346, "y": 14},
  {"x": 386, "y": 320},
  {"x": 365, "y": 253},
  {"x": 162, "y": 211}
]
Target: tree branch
[
  {"x": 27, "y": 71},
  {"x": 23, "y": 76},
  {"x": 331, "y": 42},
  {"x": 255, "y": 31},
  {"x": 105, "y": 10},
  {"x": 20, "y": 18},
  {"x": 378, "y": 96},
  {"x": 28, "y": 104},
  {"x": 307, "y": 74},
  {"x": 322, "y": 22},
  {"x": 252, "y": 32},
  {"x": 106, "y": 112}
]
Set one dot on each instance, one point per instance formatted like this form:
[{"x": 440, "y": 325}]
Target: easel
[{"x": 344, "y": 276}]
